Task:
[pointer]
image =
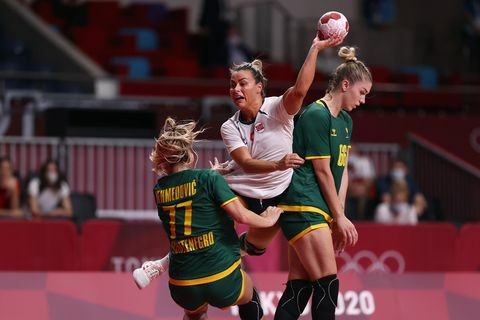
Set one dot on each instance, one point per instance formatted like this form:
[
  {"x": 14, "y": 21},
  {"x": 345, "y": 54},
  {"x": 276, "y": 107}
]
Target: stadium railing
[
  {"x": 118, "y": 171},
  {"x": 443, "y": 175}
]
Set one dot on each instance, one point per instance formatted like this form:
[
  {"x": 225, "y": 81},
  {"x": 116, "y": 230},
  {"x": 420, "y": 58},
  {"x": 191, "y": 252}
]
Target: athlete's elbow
[
  {"x": 323, "y": 174},
  {"x": 242, "y": 219},
  {"x": 299, "y": 93},
  {"x": 249, "y": 170},
  {"x": 248, "y": 167}
]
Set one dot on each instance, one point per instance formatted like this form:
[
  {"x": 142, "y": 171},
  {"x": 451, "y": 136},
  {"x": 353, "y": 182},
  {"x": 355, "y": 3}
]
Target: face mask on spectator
[
  {"x": 352, "y": 157},
  {"x": 398, "y": 174},
  {"x": 52, "y": 177}
]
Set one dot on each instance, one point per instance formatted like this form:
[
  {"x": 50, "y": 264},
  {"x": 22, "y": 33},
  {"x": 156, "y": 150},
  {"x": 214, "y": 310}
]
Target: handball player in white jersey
[{"x": 259, "y": 140}]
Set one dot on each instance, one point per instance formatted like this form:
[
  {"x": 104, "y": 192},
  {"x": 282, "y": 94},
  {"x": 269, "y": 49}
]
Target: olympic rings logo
[
  {"x": 366, "y": 261},
  {"x": 475, "y": 139}
]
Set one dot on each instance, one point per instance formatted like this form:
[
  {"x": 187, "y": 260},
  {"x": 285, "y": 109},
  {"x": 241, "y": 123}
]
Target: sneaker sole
[{"x": 141, "y": 280}]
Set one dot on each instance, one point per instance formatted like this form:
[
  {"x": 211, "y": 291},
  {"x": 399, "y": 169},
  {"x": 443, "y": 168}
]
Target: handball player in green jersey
[
  {"x": 314, "y": 220},
  {"x": 258, "y": 137},
  {"x": 198, "y": 210}
]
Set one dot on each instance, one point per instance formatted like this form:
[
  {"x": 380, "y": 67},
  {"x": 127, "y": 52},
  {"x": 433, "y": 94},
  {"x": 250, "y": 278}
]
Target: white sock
[{"x": 163, "y": 263}]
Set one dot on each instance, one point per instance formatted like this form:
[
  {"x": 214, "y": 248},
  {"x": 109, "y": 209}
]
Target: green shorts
[
  {"x": 296, "y": 224},
  {"x": 220, "y": 293}
]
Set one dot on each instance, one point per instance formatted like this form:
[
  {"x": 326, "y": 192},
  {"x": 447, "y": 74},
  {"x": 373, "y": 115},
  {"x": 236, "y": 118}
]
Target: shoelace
[{"x": 151, "y": 270}]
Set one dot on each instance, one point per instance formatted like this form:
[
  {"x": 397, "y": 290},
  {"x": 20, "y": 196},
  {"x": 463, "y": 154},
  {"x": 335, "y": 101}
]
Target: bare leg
[
  {"x": 200, "y": 314},
  {"x": 249, "y": 306},
  {"x": 298, "y": 290},
  {"x": 318, "y": 259},
  {"x": 261, "y": 237},
  {"x": 295, "y": 267},
  {"x": 316, "y": 254}
]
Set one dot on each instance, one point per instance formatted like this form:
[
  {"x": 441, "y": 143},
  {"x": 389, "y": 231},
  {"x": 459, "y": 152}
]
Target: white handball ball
[{"x": 331, "y": 24}]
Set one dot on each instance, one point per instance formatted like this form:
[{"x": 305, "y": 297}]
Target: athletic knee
[
  {"x": 251, "y": 310},
  {"x": 195, "y": 316},
  {"x": 325, "y": 294},
  {"x": 294, "y": 299},
  {"x": 248, "y": 247}
]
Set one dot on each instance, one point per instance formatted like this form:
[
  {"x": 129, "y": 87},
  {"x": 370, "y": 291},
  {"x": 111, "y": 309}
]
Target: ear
[
  {"x": 259, "y": 87},
  {"x": 345, "y": 85}
]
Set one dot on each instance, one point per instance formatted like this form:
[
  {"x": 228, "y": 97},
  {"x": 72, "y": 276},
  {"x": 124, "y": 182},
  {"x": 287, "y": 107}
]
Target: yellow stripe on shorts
[
  {"x": 304, "y": 232},
  {"x": 208, "y": 279},
  {"x": 306, "y": 209}
]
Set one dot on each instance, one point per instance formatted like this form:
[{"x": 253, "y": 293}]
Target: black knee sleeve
[
  {"x": 294, "y": 299},
  {"x": 249, "y": 248},
  {"x": 251, "y": 310},
  {"x": 325, "y": 294}
]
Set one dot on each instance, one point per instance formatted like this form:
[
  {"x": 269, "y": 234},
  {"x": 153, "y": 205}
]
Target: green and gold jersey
[
  {"x": 317, "y": 134},
  {"x": 203, "y": 243}
]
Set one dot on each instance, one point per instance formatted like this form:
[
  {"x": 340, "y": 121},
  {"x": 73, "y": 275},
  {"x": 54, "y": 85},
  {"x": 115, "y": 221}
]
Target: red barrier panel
[
  {"x": 38, "y": 245},
  {"x": 120, "y": 245},
  {"x": 124, "y": 245},
  {"x": 381, "y": 248},
  {"x": 113, "y": 296},
  {"x": 397, "y": 249},
  {"x": 467, "y": 252}
]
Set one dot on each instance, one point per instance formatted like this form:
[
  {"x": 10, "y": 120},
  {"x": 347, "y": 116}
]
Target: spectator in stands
[
  {"x": 361, "y": 173},
  {"x": 9, "y": 190},
  {"x": 237, "y": 50},
  {"x": 213, "y": 29},
  {"x": 472, "y": 34},
  {"x": 380, "y": 13},
  {"x": 49, "y": 193},
  {"x": 399, "y": 172},
  {"x": 399, "y": 210}
]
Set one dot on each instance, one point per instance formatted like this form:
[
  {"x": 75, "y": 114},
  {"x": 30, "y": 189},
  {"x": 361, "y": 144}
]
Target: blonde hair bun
[
  {"x": 347, "y": 53},
  {"x": 257, "y": 64}
]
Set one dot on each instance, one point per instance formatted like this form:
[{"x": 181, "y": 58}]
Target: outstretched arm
[
  {"x": 293, "y": 97},
  {"x": 244, "y": 216},
  {"x": 250, "y": 165}
]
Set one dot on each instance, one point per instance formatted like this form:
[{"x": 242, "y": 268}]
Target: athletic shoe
[{"x": 149, "y": 271}]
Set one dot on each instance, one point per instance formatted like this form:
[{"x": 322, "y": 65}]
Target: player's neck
[
  {"x": 179, "y": 167},
  {"x": 249, "y": 113},
  {"x": 334, "y": 104}
]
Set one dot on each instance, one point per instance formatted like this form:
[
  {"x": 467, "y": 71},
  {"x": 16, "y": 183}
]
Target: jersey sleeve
[
  {"x": 231, "y": 136},
  {"x": 316, "y": 130},
  {"x": 220, "y": 190},
  {"x": 275, "y": 108}
]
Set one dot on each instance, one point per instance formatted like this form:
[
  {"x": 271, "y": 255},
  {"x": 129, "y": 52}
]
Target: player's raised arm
[{"x": 293, "y": 97}]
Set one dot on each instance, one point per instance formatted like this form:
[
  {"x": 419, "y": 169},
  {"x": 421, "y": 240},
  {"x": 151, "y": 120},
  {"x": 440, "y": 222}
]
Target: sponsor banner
[
  {"x": 397, "y": 249},
  {"x": 119, "y": 246},
  {"x": 114, "y": 245},
  {"x": 109, "y": 295}
]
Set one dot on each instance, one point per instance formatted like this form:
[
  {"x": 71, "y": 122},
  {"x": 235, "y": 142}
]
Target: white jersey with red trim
[{"x": 269, "y": 137}]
